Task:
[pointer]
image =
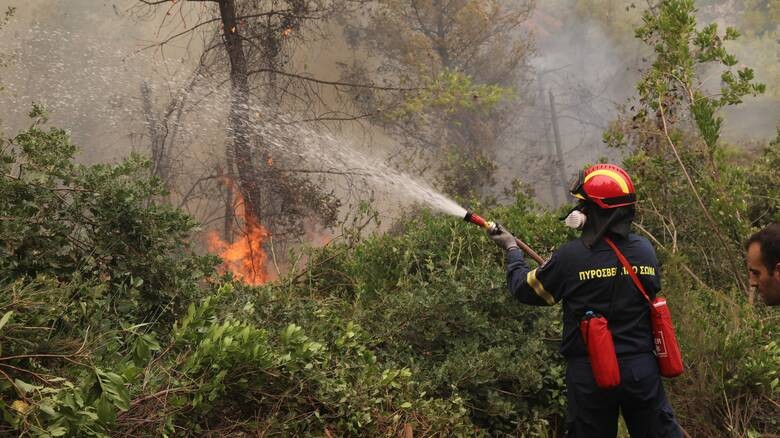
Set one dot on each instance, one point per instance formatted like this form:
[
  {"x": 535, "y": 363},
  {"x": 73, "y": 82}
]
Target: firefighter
[
  {"x": 763, "y": 262},
  {"x": 586, "y": 275}
]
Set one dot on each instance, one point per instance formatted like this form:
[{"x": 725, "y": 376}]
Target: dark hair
[{"x": 769, "y": 240}]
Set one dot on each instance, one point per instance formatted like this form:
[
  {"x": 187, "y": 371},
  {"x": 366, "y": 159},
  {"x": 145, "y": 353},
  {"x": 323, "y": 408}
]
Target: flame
[{"x": 245, "y": 257}]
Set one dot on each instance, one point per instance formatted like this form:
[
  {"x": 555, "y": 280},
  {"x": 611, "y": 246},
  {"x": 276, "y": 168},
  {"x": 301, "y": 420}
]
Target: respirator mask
[{"x": 576, "y": 218}]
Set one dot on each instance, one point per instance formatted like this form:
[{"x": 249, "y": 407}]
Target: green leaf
[
  {"x": 113, "y": 386},
  {"x": 25, "y": 387},
  {"x": 105, "y": 410},
  {"x": 7, "y": 317},
  {"x": 47, "y": 409},
  {"x": 57, "y": 431}
]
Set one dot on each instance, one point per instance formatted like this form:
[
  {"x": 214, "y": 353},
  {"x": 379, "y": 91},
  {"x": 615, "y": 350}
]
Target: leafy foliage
[
  {"x": 74, "y": 222},
  {"x": 433, "y": 298},
  {"x": 410, "y": 330},
  {"x": 462, "y": 61},
  {"x": 88, "y": 258},
  {"x": 698, "y": 203},
  {"x": 680, "y": 164},
  {"x": 87, "y": 349},
  {"x": 763, "y": 177}
]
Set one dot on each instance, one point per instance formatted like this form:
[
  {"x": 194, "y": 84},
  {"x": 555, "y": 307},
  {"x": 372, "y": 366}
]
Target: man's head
[{"x": 763, "y": 263}]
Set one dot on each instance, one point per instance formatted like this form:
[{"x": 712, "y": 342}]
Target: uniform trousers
[{"x": 640, "y": 398}]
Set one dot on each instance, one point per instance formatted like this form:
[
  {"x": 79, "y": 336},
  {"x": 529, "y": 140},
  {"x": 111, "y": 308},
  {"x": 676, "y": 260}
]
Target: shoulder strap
[{"x": 628, "y": 268}]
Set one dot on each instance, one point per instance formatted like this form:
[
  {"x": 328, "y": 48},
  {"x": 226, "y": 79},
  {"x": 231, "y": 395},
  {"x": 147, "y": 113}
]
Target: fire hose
[{"x": 494, "y": 228}]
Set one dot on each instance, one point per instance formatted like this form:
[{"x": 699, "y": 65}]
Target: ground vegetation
[{"x": 111, "y": 324}]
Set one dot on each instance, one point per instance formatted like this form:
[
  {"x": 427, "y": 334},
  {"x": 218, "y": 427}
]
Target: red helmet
[{"x": 607, "y": 185}]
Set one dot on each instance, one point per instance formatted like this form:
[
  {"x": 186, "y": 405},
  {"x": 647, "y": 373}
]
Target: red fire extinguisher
[
  {"x": 667, "y": 351},
  {"x": 601, "y": 350}
]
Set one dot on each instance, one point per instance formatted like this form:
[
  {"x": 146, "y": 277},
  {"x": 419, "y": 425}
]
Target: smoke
[
  {"x": 590, "y": 62},
  {"x": 84, "y": 59},
  {"x": 580, "y": 76},
  {"x": 757, "y": 118}
]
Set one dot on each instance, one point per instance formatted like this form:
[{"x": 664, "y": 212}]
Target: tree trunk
[
  {"x": 157, "y": 139},
  {"x": 240, "y": 152},
  {"x": 560, "y": 163}
]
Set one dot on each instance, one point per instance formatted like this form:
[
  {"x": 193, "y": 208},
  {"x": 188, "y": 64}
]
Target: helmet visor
[{"x": 576, "y": 183}]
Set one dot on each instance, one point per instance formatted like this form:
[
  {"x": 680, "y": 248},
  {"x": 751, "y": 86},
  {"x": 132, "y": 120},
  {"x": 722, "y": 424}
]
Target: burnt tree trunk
[{"x": 239, "y": 153}]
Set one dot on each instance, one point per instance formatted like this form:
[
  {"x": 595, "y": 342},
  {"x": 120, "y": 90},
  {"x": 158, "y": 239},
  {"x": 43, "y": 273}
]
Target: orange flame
[{"x": 245, "y": 257}]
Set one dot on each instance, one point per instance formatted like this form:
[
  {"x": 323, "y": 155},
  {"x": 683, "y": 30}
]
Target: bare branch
[
  {"x": 173, "y": 37},
  {"x": 704, "y": 208},
  {"x": 333, "y": 83},
  {"x": 159, "y": 2}
]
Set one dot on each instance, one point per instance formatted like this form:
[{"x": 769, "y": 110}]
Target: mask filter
[{"x": 576, "y": 219}]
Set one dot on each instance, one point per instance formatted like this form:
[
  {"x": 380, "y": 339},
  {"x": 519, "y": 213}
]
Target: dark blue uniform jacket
[{"x": 592, "y": 279}]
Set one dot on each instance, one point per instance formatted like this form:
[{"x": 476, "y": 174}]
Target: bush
[
  {"x": 699, "y": 199},
  {"x": 94, "y": 223},
  {"x": 432, "y": 298},
  {"x": 730, "y": 385}
]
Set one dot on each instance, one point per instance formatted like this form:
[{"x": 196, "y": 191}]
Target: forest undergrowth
[{"x": 111, "y": 324}]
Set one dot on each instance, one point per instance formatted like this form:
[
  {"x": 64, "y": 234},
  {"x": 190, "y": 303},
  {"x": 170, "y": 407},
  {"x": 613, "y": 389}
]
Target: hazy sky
[{"x": 83, "y": 58}]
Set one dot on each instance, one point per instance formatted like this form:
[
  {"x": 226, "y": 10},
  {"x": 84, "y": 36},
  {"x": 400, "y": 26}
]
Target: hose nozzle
[
  {"x": 494, "y": 228},
  {"x": 475, "y": 219}
]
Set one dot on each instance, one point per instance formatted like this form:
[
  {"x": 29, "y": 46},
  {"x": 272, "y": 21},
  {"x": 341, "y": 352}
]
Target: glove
[{"x": 503, "y": 238}]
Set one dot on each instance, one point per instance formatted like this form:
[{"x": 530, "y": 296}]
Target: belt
[{"x": 620, "y": 356}]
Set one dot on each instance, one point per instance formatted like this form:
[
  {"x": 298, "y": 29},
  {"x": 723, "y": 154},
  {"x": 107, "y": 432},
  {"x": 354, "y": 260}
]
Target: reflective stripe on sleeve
[{"x": 538, "y": 287}]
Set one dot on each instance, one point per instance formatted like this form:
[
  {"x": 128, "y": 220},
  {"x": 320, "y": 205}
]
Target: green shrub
[
  {"x": 699, "y": 199},
  {"x": 232, "y": 374},
  {"x": 100, "y": 222}
]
